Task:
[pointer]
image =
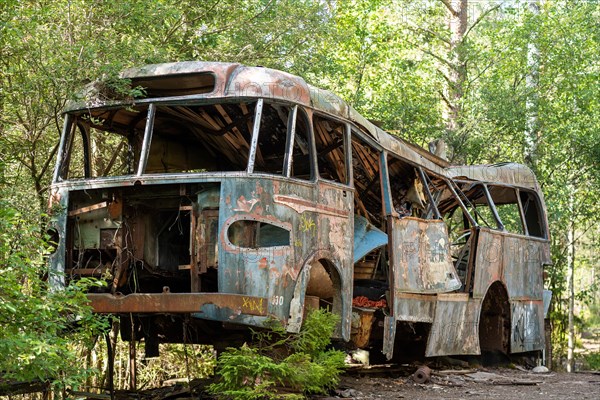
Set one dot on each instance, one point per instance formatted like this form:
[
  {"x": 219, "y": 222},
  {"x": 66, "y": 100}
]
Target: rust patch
[
  {"x": 175, "y": 303},
  {"x": 300, "y": 206}
]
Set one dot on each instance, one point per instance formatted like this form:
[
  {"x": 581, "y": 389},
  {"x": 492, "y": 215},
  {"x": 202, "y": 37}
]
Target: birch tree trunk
[
  {"x": 571, "y": 283},
  {"x": 531, "y": 81},
  {"x": 458, "y": 70}
]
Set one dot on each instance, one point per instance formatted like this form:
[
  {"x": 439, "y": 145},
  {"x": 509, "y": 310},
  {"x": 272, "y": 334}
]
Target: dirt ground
[
  {"x": 494, "y": 383},
  {"x": 397, "y": 383}
]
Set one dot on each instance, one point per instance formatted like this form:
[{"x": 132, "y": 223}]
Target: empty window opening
[
  {"x": 272, "y": 139},
  {"x": 365, "y": 166},
  {"x": 255, "y": 234},
  {"x": 533, "y": 214},
  {"x": 330, "y": 145},
  {"x": 407, "y": 189},
  {"x": 106, "y": 143},
  {"x": 505, "y": 200},
  {"x": 176, "y": 85},
  {"x": 205, "y": 138},
  {"x": 301, "y": 158}
]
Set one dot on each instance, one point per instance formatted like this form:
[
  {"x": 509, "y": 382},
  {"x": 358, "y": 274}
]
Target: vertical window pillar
[
  {"x": 67, "y": 131},
  {"x": 147, "y": 139},
  {"x": 255, "y": 133},
  {"x": 291, "y": 137}
]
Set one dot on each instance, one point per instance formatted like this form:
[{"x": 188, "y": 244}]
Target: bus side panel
[
  {"x": 254, "y": 268},
  {"x": 58, "y": 208},
  {"x": 523, "y": 267},
  {"x": 414, "y": 307},
  {"x": 527, "y": 322},
  {"x": 455, "y": 328},
  {"x": 516, "y": 261},
  {"x": 335, "y": 229},
  {"x": 317, "y": 219},
  {"x": 421, "y": 257},
  {"x": 325, "y": 239},
  {"x": 489, "y": 261},
  {"x": 523, "y": 273}
]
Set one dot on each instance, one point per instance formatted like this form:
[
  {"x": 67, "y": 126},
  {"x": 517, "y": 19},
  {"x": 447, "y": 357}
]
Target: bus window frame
[
  {"x": 73, "y": 126},
  {"x": 425, "y": 179},
  {"x": 290, "y": 139},
  {"x": 522, "y": 213},
  {"x": 255, "y": 133},
  {"x": 388, "y": 200},
  {"x": 499, "y": 224},
  {"x": 346, "y": 135},
  {"x": 376, "y": 147},
  {"x": 542, "y": 218},
  {"x": 301, "y": 112},
  {"x": 147, "y": 141}
]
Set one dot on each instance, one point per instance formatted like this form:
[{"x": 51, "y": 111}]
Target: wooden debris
[
  {"x": 447, "y": 372},
  {"x": 496, "y": 379},
  {"x": 89, "y": 395}
]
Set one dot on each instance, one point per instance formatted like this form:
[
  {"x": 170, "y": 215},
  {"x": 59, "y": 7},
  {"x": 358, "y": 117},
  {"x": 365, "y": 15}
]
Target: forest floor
[
  {"x": 484, "y": 383},
  {"x": 394, "y": 382}
]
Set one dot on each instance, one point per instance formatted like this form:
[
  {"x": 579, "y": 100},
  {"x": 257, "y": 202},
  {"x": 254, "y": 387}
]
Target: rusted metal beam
[
  {"x": 83, "y": 210},
  {"x": 105, "y": 303}
]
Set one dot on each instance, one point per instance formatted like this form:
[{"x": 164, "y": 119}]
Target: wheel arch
[
  {"x": 342, "y": 292},
  {"x": 495, "y": 319}
]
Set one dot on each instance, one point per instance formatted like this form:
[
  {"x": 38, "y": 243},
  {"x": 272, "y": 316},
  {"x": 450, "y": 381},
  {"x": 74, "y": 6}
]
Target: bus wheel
[{"x": 494, "y": 324}]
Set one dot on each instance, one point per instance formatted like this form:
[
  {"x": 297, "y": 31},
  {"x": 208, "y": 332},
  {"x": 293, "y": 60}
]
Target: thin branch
[
  {"x": 443, "y": 96},
  {"x": 437, "y": 57},
  {"x": 417, "y": 29},
  {"x": 481, "y": 17},
  {"x": 48, "y": 161},
  {"x": 449, "y": 7},
  {"x": 481, "y": 72},
  {"x": 575, "y": 240},
  {"x": 446, "y": 78},
  {"x": 181, "y": 21}
]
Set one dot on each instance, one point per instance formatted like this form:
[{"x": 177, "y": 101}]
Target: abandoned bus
[{"x": 229, "y": 196}]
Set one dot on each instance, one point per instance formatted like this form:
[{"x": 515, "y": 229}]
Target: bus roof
[
  {"x": 178, "y": 82},
  {"x": 513, "y": 174},
  {"x": 198, "y": 80}
]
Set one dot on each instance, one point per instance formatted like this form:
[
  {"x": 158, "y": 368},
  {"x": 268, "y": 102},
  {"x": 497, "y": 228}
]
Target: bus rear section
[{"x": 201, "y": 228}]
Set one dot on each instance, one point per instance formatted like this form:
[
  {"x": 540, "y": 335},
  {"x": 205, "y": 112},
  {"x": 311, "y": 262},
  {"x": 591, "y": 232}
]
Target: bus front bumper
[{"x": 166, "y": 302}]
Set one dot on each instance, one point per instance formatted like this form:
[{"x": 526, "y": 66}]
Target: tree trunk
[
  {"x": 531, "y": 83},
  {"x": 458, "y": 71},
  {"x": 571, "y": 285}
]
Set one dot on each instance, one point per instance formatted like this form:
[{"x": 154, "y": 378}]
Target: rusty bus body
[{"x": 232, "y": 195}]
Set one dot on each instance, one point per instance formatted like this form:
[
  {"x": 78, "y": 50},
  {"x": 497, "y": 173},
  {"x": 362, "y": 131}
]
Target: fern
[{"x": 279, "y": 363}]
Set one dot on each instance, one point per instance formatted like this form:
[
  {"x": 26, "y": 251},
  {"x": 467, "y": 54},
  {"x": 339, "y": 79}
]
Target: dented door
[{"x": 421, "y": 259}]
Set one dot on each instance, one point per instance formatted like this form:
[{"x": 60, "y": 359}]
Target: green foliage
[
  {"x": 113, "y": 88},
  {"x": 592, "y": 362},
  {"x": 39, "y": 327},
  {"x": 281, "y": 363},
  {"x": 389, "y": 59},
  {"x": 176, "y": 360}
]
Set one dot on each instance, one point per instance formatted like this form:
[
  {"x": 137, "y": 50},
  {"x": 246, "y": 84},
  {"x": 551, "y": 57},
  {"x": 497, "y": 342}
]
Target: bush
[
  {"x": 592, "y": 362},
  {"x": 38, "y": 326},
  {"x": 282, "y": 366}
]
